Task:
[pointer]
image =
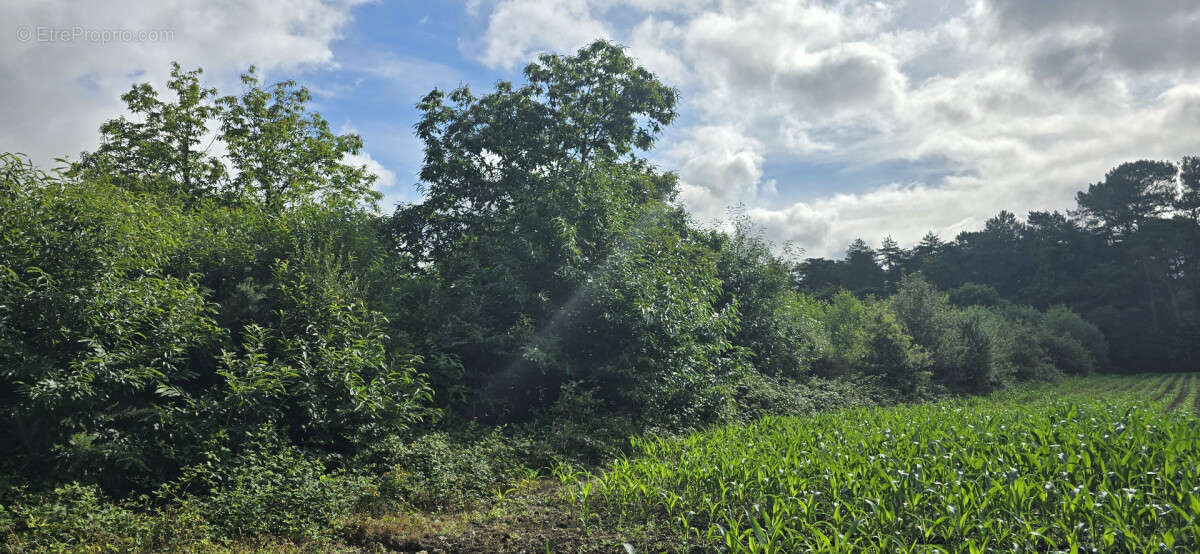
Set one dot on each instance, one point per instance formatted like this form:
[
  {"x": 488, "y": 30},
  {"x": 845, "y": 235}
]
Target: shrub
[
  {"x": 443, "y": 471},
  {"x": 778, "y": 329},
  {"x": 1074, "y": 344},
  {"x": 974, "y": 294},
  {"x": 844, "y": 317},
  {"x": 965, "y": 358},
  {"x": 759, "y": 395},
  {"x": 922, "y": 309},
  {"x": 889, "y": 352},
  {"x": 75, "y": 517},
  {"x": 97, "y": 342},
  {"x": 269, "y": 487}
]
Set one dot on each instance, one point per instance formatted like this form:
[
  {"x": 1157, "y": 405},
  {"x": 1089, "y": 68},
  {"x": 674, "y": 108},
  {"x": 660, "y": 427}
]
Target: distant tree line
[{"x": 1127, "y": 258}]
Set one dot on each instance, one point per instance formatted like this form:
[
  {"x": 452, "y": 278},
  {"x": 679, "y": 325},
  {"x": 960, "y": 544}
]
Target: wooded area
[{"x": 247, "y": 344}]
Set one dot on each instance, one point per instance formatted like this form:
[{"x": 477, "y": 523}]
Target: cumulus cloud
[
  {"x": 1014, "y": 104},
  {"x": 518, "y": 28},
  {"x": 57, "y": 92},
  {"x": 718, "y": 166},
  {"x": 385, "y": 179}
]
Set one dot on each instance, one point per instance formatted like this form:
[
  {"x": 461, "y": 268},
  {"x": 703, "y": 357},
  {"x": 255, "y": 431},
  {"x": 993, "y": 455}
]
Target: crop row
[
  {"x": 1079, "y": 465},
  {"x": 1173, "y": 392}
]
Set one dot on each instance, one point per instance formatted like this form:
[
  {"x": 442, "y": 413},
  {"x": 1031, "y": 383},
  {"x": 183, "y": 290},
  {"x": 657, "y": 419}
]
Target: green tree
[
  {"x": 863, "y": 276},
  {"x": 1189, "y": 177},
  {"x": 576, "y": 119},
  {"x": 283, "y": 153},
  {"x": 164, "y": 148},
  {"x": 779, "y": 337},
  {"x": 552, "y": 256},
  {"x": 893, "y": 259},
  {"x": 1130, "y": 194}
]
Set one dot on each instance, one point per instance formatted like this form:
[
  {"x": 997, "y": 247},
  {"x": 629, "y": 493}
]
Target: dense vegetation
[
  {"x": 1126, "y": 259},
  {"x": 201, "y": 349}
]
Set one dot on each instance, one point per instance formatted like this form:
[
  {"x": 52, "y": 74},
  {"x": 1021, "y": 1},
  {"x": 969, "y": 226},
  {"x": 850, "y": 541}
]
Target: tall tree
[
  {"x": 1189, "y": 179},
  {"x": 160, "y": 149},
  {"x": 1128, "y": 195},
  {"x": 995, "y": 255},
  {"x": 484, "y": 155},
  {"x": 282, "y": 152},
  {"x": 892, "y": 258},
  {"x": 863, "y": 274},
  {"x": 555, "y": 255}
]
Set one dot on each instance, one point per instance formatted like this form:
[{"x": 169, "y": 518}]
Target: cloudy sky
[{"x": 826, "y": 120}]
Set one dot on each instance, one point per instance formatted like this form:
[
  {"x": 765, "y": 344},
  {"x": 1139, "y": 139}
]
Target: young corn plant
[{"x": 1092, "y": 464}]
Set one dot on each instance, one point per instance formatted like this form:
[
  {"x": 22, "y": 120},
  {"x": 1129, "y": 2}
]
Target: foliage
[
  {"x": 206, "y": 344},
  {"x": 759, "y": 395},
  {"x": 268, "y": 487},
  {"x": 1092, "y": 351},
  {"x": 889, "y": 352},
  {"x": 974, "y": 294},
  {"x": 552, "y": 254},
  {"x": 978, "y": 473},
  {"x": 442, "y": 471},
  {"x": 160, "y": 150},
  {"x": 127, "y": 345},
  {"x": 75, "y": 517},
  {"x": 779, "y": 332},
  {"x": 284, "y": 154},
  {"x": 97, "y": 339}
]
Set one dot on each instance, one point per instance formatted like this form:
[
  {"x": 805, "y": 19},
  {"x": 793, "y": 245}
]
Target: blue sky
[{"x": 826, "y": 120}]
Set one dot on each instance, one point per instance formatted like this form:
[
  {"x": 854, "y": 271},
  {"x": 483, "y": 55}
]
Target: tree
[
  {"x": 893, "y": 260},
  {"x": 1129, "y": 194},
  {"x": 778, "y": 337},
  {"x": 863, "y": 276},
  {"x": 1189, "y": 177},
  {"x": 283, "y": 153},
  {"x": 554, "y": 260},
  {"x": 515, "y": 146},
  {"x": 160, "y": 151},
  {"x": 278, "y": 151},
  {"x": 995, "y": 255},
  {"x": 604, "y": 104}
]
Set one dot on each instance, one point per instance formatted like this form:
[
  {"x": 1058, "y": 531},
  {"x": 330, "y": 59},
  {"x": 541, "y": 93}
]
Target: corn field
[{"x": 1097, "y": 464}]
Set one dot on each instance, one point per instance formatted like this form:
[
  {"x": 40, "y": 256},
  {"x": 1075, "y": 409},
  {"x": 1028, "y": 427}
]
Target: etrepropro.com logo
[{"x": 95, "y": 35}]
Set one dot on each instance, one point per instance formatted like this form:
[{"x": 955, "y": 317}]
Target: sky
[{"x": 823, "y": 120}]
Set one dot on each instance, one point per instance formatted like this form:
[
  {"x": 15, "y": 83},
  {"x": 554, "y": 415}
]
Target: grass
[{"x": 1105, "y": 463}]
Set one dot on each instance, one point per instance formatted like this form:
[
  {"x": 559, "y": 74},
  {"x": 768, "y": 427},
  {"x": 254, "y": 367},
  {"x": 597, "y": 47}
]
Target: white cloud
[
  {"x": 385, "y": 179},
  {"x": 56, "y": 94},
  {"x": 519, "y": 28},
  {"x": 718, "y": 166},
  {"x": 1015, "y": 104}
]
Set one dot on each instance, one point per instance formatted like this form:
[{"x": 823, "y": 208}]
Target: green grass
[{"x": 1096, "y": 463}]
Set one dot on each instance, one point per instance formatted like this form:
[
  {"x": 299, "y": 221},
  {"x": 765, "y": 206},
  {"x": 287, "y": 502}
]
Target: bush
[
  {"x": 443, "y": 471},
  {"x": 759, "y": 395},
  {"x": 133, "y": 330},
  {"x": 974, "y": 294},
  {"x": 270, "y": 488},
  {"x": 97, "y": 342},
  {"x": 76, "y": 517},
  {"x": 922, "y": 309},
  {"x": 844, "y": 318},
  {"x": 890, "y": 353},
  {"x": 778, "y": 329},
  {"x": 1075, "y": 345}
]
